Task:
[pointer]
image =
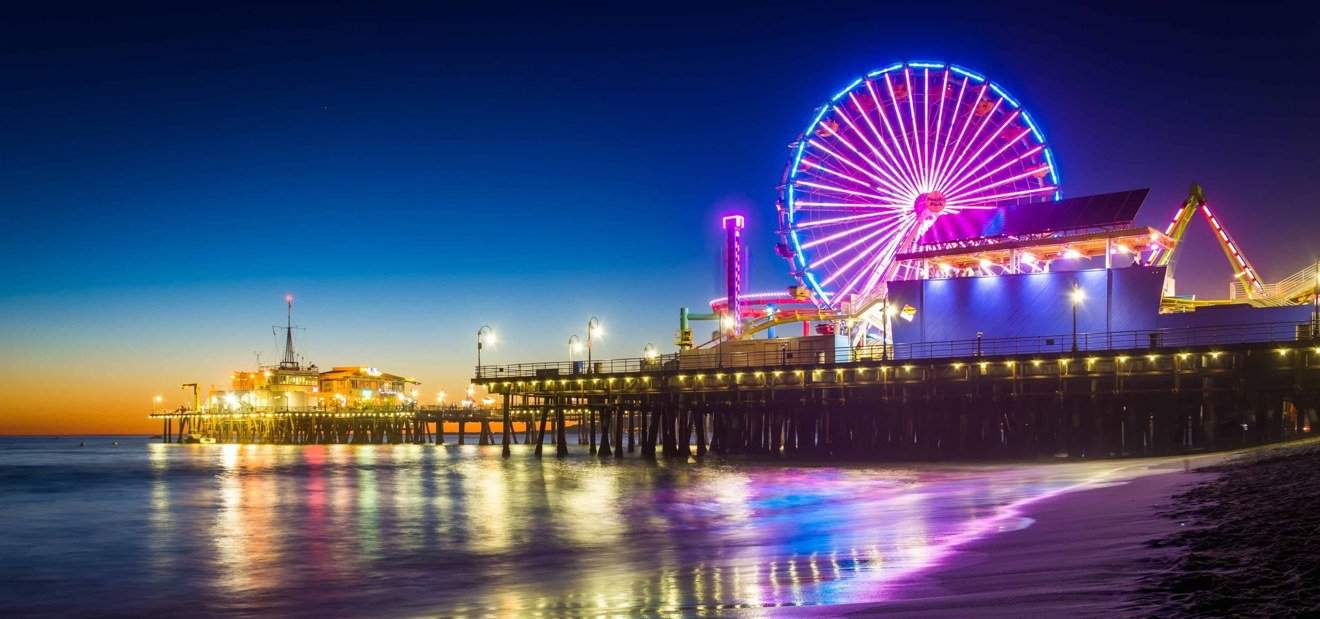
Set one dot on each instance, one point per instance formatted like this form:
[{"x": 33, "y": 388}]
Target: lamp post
[
  {"x": 1315, "y": 304},
  {"x": 574, "y": 346},
  {"x": 593, "y": 331},
  {"x": 649, "y": 353},
  {"x": 156, "y": 403},
  {"x": 484, "y": 335},
  {"x": 889, "y": 313},
  {"x": 1077, "y": 296}
]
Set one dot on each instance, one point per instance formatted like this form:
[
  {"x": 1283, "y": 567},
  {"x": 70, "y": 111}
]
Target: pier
[{"x": 1120, "y": 394}]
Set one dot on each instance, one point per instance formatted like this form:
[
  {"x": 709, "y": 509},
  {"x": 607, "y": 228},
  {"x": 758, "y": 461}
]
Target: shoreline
[
  {"x": 1082, "y": 554},
  {"x": 1122, "y": 548}
]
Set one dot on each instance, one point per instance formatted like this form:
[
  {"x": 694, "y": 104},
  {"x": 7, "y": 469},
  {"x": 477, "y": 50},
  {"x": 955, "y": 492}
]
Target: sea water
[{"x": 88, "y": 526}]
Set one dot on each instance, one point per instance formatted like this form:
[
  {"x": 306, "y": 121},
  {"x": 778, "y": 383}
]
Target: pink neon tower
[{"x": 735, "y": 264}]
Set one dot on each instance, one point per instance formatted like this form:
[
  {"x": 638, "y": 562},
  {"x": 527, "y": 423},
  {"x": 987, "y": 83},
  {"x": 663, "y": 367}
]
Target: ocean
[{"x": 90, "y": 527}]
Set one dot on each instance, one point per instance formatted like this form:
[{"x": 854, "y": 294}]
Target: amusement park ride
[{"x": 926, "y": 170}]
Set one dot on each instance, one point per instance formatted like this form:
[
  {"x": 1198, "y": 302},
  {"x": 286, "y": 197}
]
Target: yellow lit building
[
  {"x": 294, "y": 385},
  {"x": 355, "y": 386},
  {"x": 273, "y": 387}
]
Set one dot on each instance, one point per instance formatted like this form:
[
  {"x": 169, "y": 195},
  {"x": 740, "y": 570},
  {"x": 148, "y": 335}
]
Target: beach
[
  {"x": 1247, "y": 541},
  {"x": 227, "y": 530},
  {"x": 1226, "y": 534}
]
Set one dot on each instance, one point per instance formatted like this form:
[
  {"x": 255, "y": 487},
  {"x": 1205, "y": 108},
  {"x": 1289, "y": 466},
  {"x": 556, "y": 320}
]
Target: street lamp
[
  {"x": 594, "y": 331},
  {"x": 440, "y": 397},
  {"x": 889, "y": 313},
  {"x": 574, "y": 346},
  {"x": 1078, "y": 295},
  {"x": 156, "y": 402},
  {"x": 649, "y": 352},
  {"x": 1315, "y": 304},
  {"x": 485, "y": 335}
]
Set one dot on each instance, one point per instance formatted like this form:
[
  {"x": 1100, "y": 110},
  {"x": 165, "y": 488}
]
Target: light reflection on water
[{"x": 389, "y": 530}]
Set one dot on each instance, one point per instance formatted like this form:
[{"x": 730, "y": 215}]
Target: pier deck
[
  {"x": 1128, "y": 393},
  {"x": 1119, "y": 394}
]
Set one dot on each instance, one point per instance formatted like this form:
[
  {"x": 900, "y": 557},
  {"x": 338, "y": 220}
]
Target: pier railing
[{"x": 1218, "y": 335}]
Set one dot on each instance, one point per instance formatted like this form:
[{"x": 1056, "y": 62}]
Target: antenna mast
[{"x": 290, "y": 360}]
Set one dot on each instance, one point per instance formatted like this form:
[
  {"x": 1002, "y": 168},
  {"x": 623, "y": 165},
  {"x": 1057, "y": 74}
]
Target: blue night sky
[{"x": 412, "y": 172}]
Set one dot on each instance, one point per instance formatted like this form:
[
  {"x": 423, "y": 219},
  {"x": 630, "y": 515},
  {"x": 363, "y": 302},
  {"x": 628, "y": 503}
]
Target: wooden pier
[
  {"x": 340, "y": 425},
  {"x": 1119, "y": 394}
]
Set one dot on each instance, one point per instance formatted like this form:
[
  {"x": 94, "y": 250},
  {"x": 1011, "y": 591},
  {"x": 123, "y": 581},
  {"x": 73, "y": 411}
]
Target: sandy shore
[
  {"x": 1083, "y": 555},
  {"x": 1250, "y": 546},
  {"x": 1178, "y": 537}
]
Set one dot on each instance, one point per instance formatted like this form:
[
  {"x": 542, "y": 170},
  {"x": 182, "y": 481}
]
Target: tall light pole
[
  {"x": 650, "y": 353},
  {"x": 1315, "y": 304},
  {"x": 574, "y": 346},
  {"x": 156, "y": 403},
  {"x": 484, "y": 335},
  {"x": 888, "y": 312},
  {"x": 593, "y": 331},
  {"x": 1077, "y": 296}
]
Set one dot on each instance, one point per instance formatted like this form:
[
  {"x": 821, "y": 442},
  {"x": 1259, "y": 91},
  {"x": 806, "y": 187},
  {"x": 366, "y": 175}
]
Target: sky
[{"x": 412, "y": 172}]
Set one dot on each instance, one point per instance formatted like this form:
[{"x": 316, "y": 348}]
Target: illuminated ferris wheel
[{"x": 888, "y": 157}]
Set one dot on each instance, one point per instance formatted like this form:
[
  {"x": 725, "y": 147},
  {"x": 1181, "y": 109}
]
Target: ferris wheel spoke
[
  {"x": 889, "y": 129},
  {"x": 892, "y": 173},
  {"x": 954, "y": 210},
  {"x": 882, "y": 224},
  {"x": 958, "y": 188},
  {"x": 807, "y": 205},
  {"x": 902, "y": 128},
  {"x": 813, "y": 165},
  {"x": 971, "y": 194},
  {"x": 939, "y": 122},
  {"x": 828, "y": 221},
  {"x": 984, "y": 161},
  {"x": 962, "y": 204},
  {"x": 966, "y": 124},
  {"x": 875, "y": 266},
  {"x": 967, "y": 144},
  {"x": 892, "y": 161},
  {"x": 855, "y": 151},
  {"x": 916, "y": 145},
  {"x": 850, "y": 192},
  {"x": 875, "y": 252},
  {"x": 943, "y": 152},
  {"x": 880, "y": 271},
  {"x": 925, "y": 121},
  {"x": 846, "y": 161},
  {"x": 959, "y": 172}
]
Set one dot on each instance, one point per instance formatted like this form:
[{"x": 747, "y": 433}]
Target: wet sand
[
  {"x": 1230, "y": 534},
  {"x": 1082, "y": 555}
]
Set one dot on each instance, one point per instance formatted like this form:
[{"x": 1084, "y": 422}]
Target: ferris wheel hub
[{"x": 931, "y": 202}]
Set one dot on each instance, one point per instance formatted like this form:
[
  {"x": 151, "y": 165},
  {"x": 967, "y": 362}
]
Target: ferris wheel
[{"x": 890, "y": 155}]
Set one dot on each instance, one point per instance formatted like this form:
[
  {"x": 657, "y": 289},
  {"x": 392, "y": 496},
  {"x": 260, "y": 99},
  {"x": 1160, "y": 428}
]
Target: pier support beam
[
  {"x": 561, "y": 437},
  {"x": 506, "y": 426}
]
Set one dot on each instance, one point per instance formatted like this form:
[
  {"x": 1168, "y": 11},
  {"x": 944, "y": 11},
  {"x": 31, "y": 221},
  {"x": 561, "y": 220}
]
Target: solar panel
[{"x": 1103, "y": 210}]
